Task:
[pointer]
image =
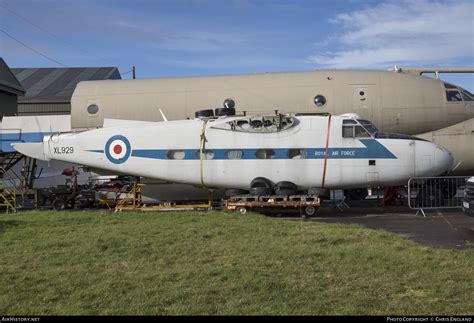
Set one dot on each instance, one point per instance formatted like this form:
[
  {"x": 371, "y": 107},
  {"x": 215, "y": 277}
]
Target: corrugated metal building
[
  {"x": 49, "y": 90},
  {"x": 10, "y": 88}
]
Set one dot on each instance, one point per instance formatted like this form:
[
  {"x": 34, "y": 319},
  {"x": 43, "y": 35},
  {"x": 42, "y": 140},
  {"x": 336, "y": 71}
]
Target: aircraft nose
[{"x": 443, "y": 160}]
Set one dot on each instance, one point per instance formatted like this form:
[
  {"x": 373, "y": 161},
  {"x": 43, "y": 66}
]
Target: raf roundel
[{"x": 117, "y": 149}]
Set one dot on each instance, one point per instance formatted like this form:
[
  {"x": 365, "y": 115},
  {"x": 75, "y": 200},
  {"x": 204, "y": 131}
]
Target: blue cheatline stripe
[
  {"x": 6, "y": 139},
  {"x": 372, "y": 150}
]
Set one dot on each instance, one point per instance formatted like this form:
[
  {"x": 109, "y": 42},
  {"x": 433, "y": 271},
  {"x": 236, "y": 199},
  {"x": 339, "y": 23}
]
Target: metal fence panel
[{"x": 444, "y": 192}]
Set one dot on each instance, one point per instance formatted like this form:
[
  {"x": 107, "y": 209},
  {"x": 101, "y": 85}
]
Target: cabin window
[
  {"x": 372, "y": 162},
  {"x": 176, "y": 154},
  {"x": 265, "y": 153},
  {"x": 206, "y": 154},
  {"x": 453, "y": 96},
  {"x": 234, "y": 154},
  {"x": 319, "y": 100},
  {"x": 92, "y": 109},
  {"x": 296, "y": 154}
]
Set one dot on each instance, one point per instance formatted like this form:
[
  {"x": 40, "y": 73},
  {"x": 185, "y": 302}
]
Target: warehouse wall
[
  {"x": 26, "y": 109},
  {"x": 7, "y": 104}
]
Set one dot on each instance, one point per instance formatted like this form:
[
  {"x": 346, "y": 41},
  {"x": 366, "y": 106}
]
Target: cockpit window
[
  {"x": 359, "y": 128},
  {"x": 450, "y": 86},
  {"x": 388, "y": 135},
  {"x": 466, "y": 96},
  {"x": 349, "y": 121},
  {"x": 354, "y": 132},
  {"x": 360, "y": 132},
  {"x": 369, "y": 126},
  {"x": 453, "y": 96}
]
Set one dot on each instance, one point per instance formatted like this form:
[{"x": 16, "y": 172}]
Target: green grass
[{"x": 215, "y": 263}]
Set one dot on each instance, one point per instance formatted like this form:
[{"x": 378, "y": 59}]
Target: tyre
[
  {"x": 241, "y": 210},
  {"x": 234, "y": 192},
  {"x": 286, "y": 188},
  {"x": 261, "y": 182},
  {"x": 286, "y": 185},
  {"x": 309, "y": 210},
  {"x": 58, "y": 204},
  {"x": 260, "y": 191},
  {"x": 204, "y": 113},
  {"x": 224, "y": 112},
  {"x": 285, "y": 191}
]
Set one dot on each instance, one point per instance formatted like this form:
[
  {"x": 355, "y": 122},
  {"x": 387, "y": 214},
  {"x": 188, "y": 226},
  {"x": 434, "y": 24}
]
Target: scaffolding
[{"x": 15, "y": 187}]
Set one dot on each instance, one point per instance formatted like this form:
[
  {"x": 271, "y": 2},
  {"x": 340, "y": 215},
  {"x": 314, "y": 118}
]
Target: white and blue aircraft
[{"x": 321, "y": 151}]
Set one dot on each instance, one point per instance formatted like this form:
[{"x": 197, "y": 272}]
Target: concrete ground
[{"x": 439, "y": 229}]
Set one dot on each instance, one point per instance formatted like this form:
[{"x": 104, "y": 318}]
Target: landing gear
[{"x": 356, "y": 194}]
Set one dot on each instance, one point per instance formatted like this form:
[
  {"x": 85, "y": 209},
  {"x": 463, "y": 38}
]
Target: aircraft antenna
[{"x": 163, "y": 115}]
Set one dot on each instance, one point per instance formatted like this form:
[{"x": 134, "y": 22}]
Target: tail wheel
[{"x": 241, "y": 210}]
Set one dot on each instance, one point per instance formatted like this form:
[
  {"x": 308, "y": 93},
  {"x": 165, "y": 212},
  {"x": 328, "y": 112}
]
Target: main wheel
[{"x": 241, "y": 210}]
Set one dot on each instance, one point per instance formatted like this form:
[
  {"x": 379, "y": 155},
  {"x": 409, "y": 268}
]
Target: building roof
[
  {"x": 8, "y": 81},
  {"x": 55, "y": 85}
]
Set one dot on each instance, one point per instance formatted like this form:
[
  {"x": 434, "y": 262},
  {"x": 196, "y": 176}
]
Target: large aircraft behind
[{"x": 401, "y": 101}]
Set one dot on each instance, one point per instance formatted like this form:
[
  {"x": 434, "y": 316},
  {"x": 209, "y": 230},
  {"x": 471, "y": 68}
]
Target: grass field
[{"x": 215, "y": 263}]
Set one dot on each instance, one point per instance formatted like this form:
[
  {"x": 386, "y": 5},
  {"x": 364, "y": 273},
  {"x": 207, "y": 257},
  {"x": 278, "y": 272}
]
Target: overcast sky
[{"x": 176, "y": 38}]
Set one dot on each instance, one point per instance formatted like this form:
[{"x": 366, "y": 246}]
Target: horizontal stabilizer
[{"x": 31, "y": 149}]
